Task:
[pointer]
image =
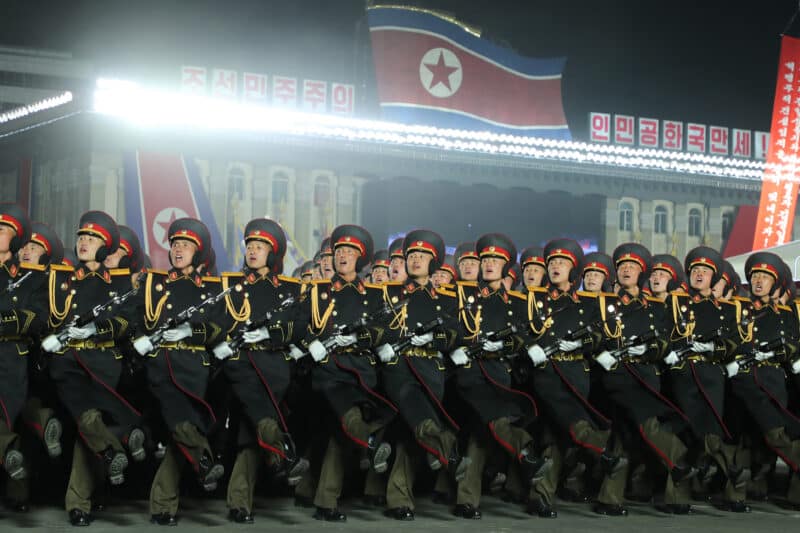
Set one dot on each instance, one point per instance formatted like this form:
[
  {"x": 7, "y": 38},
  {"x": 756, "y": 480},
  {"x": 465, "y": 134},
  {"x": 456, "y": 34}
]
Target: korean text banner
[{"x": 433, "y": 70}]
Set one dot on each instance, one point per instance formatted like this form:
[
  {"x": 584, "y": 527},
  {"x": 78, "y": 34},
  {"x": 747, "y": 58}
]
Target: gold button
[
  {"x": 169, "y": 306},
  {"x": 334, "y": 313}
]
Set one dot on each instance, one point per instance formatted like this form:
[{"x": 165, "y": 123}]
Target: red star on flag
[{"x": 441, "y": 73}]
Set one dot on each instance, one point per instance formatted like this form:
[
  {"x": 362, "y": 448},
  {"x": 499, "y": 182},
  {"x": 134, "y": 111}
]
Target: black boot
[
  {"x": 330, "y": 515},
  {"x": 209, "y": 472},
  {"x": 400, "y": 513},
  {"x": 164, "y": 519},
  {"x": 379, "y": 453},
  {"x": 610, "y": 509},
  {"x": 539, "y": 507},
  {"x": 533, "y": 468},
  {"x": 79, "y": 518},
  {"x": 466, "y": 510},
  {"x": 240, "y": 516},
  {"x": 51, "y": 434},
  {"x": 135, "y": 443},
  {"x": 115, "y": 462}
]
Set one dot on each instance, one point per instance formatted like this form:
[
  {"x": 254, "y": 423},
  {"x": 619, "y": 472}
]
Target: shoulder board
[
  {"x": 517, "y": 294},
  {"x": 448, "y": 286},
  {"x": 62, "y": 268},
  {"x": 587, "y": 294},
  {"x": 785, "y": 308},
  {"x": 392, "y": 284},
  {"x": 120, "y": 271},
  {"x": 212, "y": 279},
  {"x": 726, "y": 302},
  {"x": 154, "y": 271},
  {"x": 608, "y": 295},
  {"x": 288, "y": 279},
  {"x": 374, "y": 286},
  {"x": 741, "y": 299},
  {"x": 232, "y": 275},
  {"x": 537, "y": 289},
  {"x": 682, "y": 294},
  {"x": 32, "y": 266},
  {"x": 319, "y": 281},
  {"x": 443, "y": 290},
  {"x": 467, "y": 283}
]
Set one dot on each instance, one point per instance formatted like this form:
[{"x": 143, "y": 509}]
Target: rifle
[
  {"x": 13, "y": 285},
  {"x": 237, "y": 339},
  {"x": 184, "y": 316},
  {"x": 421, "y": 329},
  {"x": 79, "y": 321},
  {"x": 767, "y": 346},
  {"x": 584, "y": 331},
  {"x": 622, "y": 354}
]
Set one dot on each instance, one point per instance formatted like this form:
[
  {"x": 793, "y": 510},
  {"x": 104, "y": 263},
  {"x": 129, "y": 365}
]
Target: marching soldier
[
  {"x": 397, "y": 261},
  {"x": 467, "y": 261},
  {"x": 380, "y": 267},
  {"x": 485, "y": 309},
  {"x": 87, "y": 364},
  {"x": 598, "y": 273},
  {"x": 339, "y": 312},
  {"x": 666, "y": 275},
  {"x": 260, "y": 371},
  {"x": 177, "y": 363},
  {"x": 533, "y": 267},
  {"x": 414, "y": 377},
  {"x": 446, "y": 274},
  {"x": 631, "y": 382}
]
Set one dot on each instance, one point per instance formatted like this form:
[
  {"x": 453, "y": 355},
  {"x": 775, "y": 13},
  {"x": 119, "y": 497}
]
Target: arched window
[
  {"x": 695, "y": 222},
  {"x": 727, "y": 224},
  {"x": 625, "y": 216},
  {"x": 660, "y": 220}
]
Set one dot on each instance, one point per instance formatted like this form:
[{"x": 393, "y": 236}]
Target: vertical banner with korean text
[{"x": 779, "y": 183}]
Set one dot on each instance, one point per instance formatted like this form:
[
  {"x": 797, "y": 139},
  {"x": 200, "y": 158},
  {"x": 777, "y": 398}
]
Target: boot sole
[
  {"x": 52, "y": 437},
  {"x": 136, "y": 445},
  {"x": 298, "y": 470},
  {"x": 14, "y": 465},
  {"x": 214, "y": 474},
  {"x": 380, "y": 461},
  {"x": 116, "y": 468}
]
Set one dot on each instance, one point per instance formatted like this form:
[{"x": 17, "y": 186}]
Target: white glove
[
  {"x": 796, "y": 367},
  {"x": 143, "y": 345},
  {"x": 51, "y": 344},
  {"x": 731, "y": 369},
  {"x": 82, "y": 333},
  {"x": 317, "y": 350},
  {"x": 459, "y": 357},
  {"x": 422, "y": 340},
  {"x": 222, "y": 351},
  {"x": 569, "y": 346},
  {"x": 386, "y": 352},
  {"x": 256, "y": 335},
  {"x": 492, "y": 346},
  {"x": 763, "y": 356},
  {"x": 702, "y": 347},
  {"x": 295, "y": 352},
  {"x": 176, "y": 334},
  {"x": 537, "y": 355},
  {"x": 345, "y": 340},
  {"x": 637, "y": 350},
  {"x": 672, "y": 358},
  {"x": 606, "y": 360}
]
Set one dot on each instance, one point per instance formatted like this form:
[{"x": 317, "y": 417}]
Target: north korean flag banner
[
  {"x": 160, "y": 188},
  {"x": 433, "y": 70}
]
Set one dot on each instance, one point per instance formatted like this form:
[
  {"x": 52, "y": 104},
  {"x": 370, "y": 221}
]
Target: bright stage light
[{"x": 36, "y": 107}]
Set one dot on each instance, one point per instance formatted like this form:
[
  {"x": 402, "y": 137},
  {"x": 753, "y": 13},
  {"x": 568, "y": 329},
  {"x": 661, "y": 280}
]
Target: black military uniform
[
  {"x": 86, "y": 368},
  {"x": 178, "y": 367},
  {"x": 345, "y": 371},
  {"x": 260, "y": 371},
  {"x": 414, "y": 377},
  {"x": 669, "y": 263},
  {"x": 560, "y": 381},
  {"x": 485, "y": 381},
  {"x": 533, "y": 256},
  {"x": 702, "y": 326},
  {"x": 633, "y": 385}
]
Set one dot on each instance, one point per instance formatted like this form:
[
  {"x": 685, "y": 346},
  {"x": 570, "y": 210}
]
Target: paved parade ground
[{"x": 281, "y": 515}]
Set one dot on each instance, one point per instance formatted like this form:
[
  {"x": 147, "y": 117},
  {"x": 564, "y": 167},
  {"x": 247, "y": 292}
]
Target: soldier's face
[
  {"x": 441, "y": 277},
  {"x": 492, "y": 268},
  {"x": 181, "y": 252},
  {"x": 112, "y": 260},
  {"x": 256, "y": 254},
  {"x": 719, "y": 288},
  {"x": 380, "y": 275},
  {"x": 533, "y": 275},
  {"x": 700, "y": 277},
  {"x": 418, "y": 264},
  {"x": 6, "y": 234},
  {"x": 659, "y": 281},
  {"x": 761, "y": 284},
  {"x": 468, "y": 269},
  {"x": 345, "y": 258},
  {"x": 326, "y": 266},
  {"x": 397, "y": 269},
  {"x": 558, "y": 269},
  {"x": 593, "y": 281},
  {"x": 87, "y": 247},
  {"x": 628, "y": 274},
  {"x": 31, "y": 252}
]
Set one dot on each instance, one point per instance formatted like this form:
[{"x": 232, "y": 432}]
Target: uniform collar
[
  {"x": 338, "y": 283},
  {"x": 82, "y": 272},
  {"x": 554, "y": 293},
  {"x": 175, "y": 275},
  {"x": 626, "y": 298},
  {"x": 696, "y": 297},
  {"x": 11, "y": 266},
  {"x": 412, "y": 285},
  {"x": 486, "y": 291},
  {"x": 253, "y": 277}
]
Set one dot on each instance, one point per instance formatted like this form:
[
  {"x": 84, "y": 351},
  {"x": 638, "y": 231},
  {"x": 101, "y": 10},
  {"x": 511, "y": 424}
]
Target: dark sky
[{"x": 706, "y": 61}]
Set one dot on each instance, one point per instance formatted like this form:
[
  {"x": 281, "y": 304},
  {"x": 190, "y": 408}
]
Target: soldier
[
  {"x": 598, "y": 273},
  {"x": 260, "y": 371},
  {"x": 725, "y": 288},
  {"x": 446, "y": 273},
  {"x": 380, "y": 267},
  {"x": 87, "y": 364},
  {"x": 397, "y": 265},
  {"x": 414, "y": 377},
  {"x": 484, "y": 382},
  {"x": 326, "y": 270},
  {"x": 339, "y": 312},
  {"x": 631, "y": 383},
  {"x": 533, "y": 267},
  {"x": 561, "y": 380},
  {"x": 696, "y": 378},
  {"x": 511, "y": 280},
  {"x": 467, "y": 262},
  {"x": 666, "y": 275},
  {"x": 177, "y": 364}
]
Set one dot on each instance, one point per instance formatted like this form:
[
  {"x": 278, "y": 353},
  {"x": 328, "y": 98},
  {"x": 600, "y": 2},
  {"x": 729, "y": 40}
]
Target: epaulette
[
  {"x": 62, "y": 268},
  {"x": 517, "y": 294},
  {"x": 608, "y": 294},
  {"x": 448, "y": 286},
  {"x": 32, "y": 266},
  {"x": 119, "y": 271},
  {"x": 392, "y": 284},
  {"x": 727, "y": 302},
  {"x": 679, "y": 293},
  {"x": 467, "y": 283},
  {"x": 155, "y": 271},
  {"x": 289, "y": 279},
  {"x": 444, "y": 292},
  {"x": 378, "y": 286},
  {"x": 784, "y": 308},
  {"x": 537, "y": 289},
  {"x": 232, "y": 275},
  {"x": 319, "y": 281},
  {"x": 587, "y": 294},
  {"x": 741, "y": 299},
  {"x": 212, "y": 279}
]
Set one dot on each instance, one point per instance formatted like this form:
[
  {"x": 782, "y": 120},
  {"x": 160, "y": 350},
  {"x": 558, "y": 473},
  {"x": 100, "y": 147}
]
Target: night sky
[{"x": 711, "y": 62}]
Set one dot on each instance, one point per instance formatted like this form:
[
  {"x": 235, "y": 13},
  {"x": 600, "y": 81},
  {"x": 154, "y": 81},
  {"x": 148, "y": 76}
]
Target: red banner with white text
[{"x": 779, "y": 183}]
